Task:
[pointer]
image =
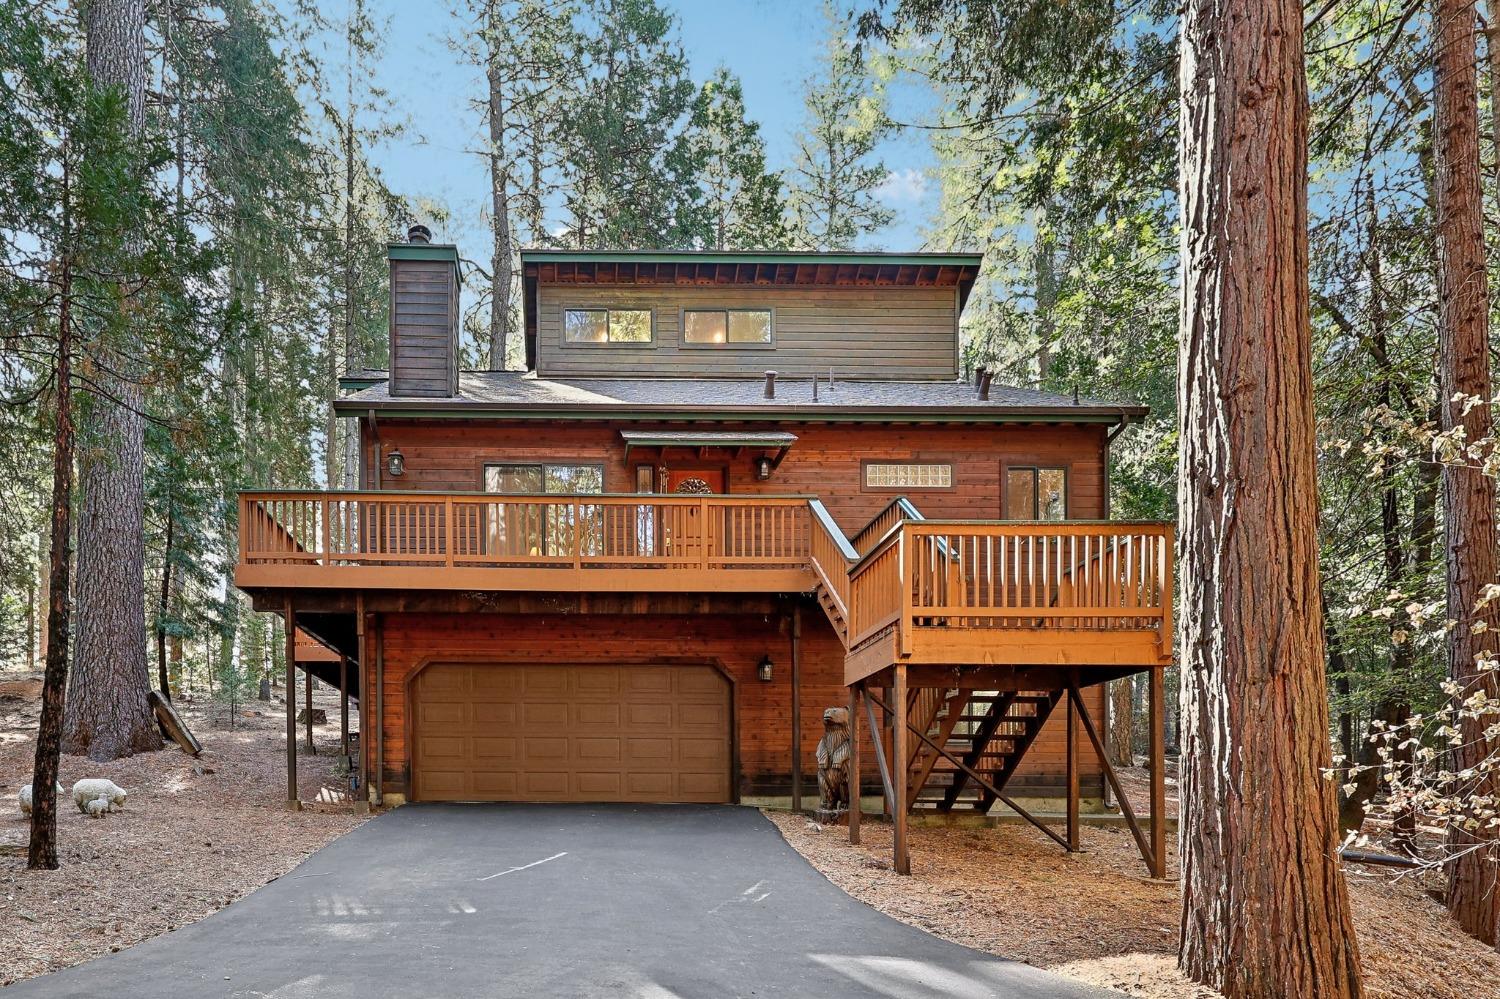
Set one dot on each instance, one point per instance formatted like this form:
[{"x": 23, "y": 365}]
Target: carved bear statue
[{"x": 833, "y": 761}]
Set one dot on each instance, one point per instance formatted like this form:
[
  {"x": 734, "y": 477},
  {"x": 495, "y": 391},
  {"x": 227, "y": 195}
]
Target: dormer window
[
  {"x": 726, "y": 327},
  {"x": 606, "y": 326}
]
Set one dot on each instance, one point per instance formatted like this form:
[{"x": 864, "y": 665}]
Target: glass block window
[
  {"x": 607, "y": 325},
  {"x": 726, "y": 327},
  {"x": 893, "y": 475}
]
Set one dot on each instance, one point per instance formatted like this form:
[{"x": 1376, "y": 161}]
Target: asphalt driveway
[{"x": 541, "y": 901}]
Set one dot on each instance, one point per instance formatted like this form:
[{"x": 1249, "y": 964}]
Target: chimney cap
[{"x": 418, "y": 233}]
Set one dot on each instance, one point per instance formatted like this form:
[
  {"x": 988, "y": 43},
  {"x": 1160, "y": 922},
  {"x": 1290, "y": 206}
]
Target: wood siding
[
  {"x": 733, "y": 643},
  {"x": 424, "y": 327},
  {"x": 895, "y": 333},
  {"x": 826, "y": 462}
]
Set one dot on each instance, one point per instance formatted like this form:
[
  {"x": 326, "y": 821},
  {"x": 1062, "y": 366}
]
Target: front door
[{"x": 689, "y": 534}]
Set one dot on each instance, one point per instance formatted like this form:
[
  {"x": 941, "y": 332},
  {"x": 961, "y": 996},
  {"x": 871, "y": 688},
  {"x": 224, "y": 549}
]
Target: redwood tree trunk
[
  {"x": 1121, "y": 733},
  {"x": 1265, "y": 908},
  {"x": 1468, "y": 493},
  {"x": 107, "y": 712}
]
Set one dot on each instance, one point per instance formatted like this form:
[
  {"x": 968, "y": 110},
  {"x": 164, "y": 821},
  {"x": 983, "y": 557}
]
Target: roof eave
[{"x": 465, "y": 409}]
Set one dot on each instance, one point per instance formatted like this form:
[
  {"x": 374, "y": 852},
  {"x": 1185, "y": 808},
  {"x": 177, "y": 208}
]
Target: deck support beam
[
  {"x": 855, "y": 697},
  {"x": 1157, "y": 714},
  {"x": 901, "y": 774},
  {"x": 362, "y": 640},
  {"x": 293, "y": 803},
  {"x": 344, "y": 709},
  {"x": 796, "y": 634},
  {"x": 1109, "y": 772},
  {"x": 1072, "y": 739}
]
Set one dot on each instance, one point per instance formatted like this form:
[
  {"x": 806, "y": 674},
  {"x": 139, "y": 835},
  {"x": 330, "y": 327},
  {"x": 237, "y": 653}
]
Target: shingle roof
[{"x": 519, "y": 394}]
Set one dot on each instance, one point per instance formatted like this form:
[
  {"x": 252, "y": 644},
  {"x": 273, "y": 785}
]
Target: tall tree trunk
[
  {"x": 1255, "y": 706},
  {"x": 108, "y": 715},
  {"x": 1468, "y": 493},
  {"x": 1121, "y": 733},
  {"x": 164, "y": 607},
  {"x": 500, "y": 267},
  {"x": 41, "y": 851}
]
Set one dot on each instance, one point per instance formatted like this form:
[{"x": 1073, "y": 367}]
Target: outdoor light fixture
[
  {"x": 762, "y": 468},
  {"x": 764, "y": 669},
  {"x": 395, "y": 463}
]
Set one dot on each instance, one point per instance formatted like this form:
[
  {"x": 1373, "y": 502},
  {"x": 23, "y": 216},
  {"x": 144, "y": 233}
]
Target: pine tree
[
  {"x": 834, "y": 174},
  {"x": 743, "y": 199}
]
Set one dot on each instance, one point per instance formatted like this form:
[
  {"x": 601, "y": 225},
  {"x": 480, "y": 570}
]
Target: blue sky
[{"x": 773, "y": 45}]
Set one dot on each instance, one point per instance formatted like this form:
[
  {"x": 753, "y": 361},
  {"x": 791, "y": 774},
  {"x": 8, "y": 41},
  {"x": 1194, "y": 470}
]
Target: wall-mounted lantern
[
  {"x": 764, "y": 669},
  {"x": 762, "y": 468},
  {"x": 395, "y": 463}
]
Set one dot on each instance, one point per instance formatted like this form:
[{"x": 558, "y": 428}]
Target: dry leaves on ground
[
  {"x": 194, "y": 836},
  {"x": 1097, "y": 917}
]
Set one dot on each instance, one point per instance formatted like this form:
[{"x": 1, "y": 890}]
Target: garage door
[{"x": 570, "y": 733}]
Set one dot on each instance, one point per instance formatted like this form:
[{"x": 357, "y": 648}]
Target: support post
[
  {"x": 854, "y": 790},
  {"x": 307, "y": 687},
  {"x": 292, "y": 801},
  {"x": 362, "y": 806},
  {"x": 344, "y": 709},
  {"x": 1158, "y": 773},
  {"x": 379, "y": 762},
  {"x": 1072, "y": 777},
  {"x": 900, "y": 773},
  {"x": 797, "y": 708}
]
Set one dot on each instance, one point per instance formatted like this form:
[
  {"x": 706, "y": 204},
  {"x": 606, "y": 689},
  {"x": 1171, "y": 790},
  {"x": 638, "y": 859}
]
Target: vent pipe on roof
[
  {"x": 984, "y": 387},
  {"x": 418, "y": 233},
  {"x": 830, "y": 378},
  {"x": 815, "y": 386},
  {"x": 979, "y": 374},
  {"x": 770, "y": 384}
]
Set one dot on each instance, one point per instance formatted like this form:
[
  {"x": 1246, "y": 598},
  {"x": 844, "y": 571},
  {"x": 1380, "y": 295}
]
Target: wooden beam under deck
[{"x": 557, "y": 580}]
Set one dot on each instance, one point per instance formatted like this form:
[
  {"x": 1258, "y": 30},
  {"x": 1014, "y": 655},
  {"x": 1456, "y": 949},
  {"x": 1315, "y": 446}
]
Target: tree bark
[
  {"x": 107, "y": 712},
  {"x": 1121, "y": 734},
  {"x": 1265, "y": 908},
  {"x": 41, "y": 850},
  {"x": 1469, "y": 494},
  {"x": 500, "y": 267},
  {"x": 163, "y": 607}
]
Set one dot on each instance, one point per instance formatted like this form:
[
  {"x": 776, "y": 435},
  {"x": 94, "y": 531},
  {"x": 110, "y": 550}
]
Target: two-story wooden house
[{"x": 730, "y": 491}]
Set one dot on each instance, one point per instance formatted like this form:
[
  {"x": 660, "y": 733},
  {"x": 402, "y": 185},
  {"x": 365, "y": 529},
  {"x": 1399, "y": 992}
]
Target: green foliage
[
  {"x": 831, "y": 200},
  {"x": 742, "y": 199}
]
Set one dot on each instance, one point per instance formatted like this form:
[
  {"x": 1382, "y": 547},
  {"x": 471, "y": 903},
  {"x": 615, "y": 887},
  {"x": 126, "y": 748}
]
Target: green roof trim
[
  {"x": 753, "y": 256},
  {"x": 446, "y": 253},
  {"x": 425, "y": 410}
]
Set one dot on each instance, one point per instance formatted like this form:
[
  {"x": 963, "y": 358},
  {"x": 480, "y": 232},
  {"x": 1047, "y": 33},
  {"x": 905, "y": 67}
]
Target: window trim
[
  {"x": 1036, "y": 467},
  {"x": 864, "y": 479},
  {"x": 682, "y": 340},
  {"x": 562, "y": 327},
  {"x": 487, "y": 464}
]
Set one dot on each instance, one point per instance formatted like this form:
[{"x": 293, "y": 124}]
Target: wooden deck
[{"x": 900, "y": 590}]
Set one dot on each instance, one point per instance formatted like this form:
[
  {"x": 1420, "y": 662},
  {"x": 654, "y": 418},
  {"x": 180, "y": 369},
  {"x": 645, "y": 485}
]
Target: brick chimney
[{"x": 424, "y": 316}]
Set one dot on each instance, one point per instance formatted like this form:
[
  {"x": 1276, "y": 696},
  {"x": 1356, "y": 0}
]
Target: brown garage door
[{"x": 485, "y": 732}]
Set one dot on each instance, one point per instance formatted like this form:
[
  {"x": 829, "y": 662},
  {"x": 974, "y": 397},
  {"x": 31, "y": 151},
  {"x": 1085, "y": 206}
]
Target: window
[
  {"x": 1036, "y": 494},
  {"x": 540, "y": 528},
  {"x": 891, "y": 475},
  {"x": 606, "y": 325},
  {"x": 543, "y": 478},
  {"x": 726, "y": 327}
]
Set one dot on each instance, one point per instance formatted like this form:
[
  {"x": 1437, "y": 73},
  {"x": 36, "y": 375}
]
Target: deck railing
[
  {"x": 468, "y": 530},
  {"x": 915, "y": 577}
]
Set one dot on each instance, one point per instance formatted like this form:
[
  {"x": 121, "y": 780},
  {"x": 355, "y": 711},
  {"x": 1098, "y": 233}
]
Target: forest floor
[
  {"x": 194, "y": 835},
  {"x": 1097, "y": 917}
]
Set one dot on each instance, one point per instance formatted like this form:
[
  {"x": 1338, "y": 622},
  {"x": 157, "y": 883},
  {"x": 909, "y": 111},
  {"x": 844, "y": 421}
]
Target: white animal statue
[
  {"x": 92, "y": 788},
  {"x": 97, "y": 807},
  {"x": 25, "y": 798}
]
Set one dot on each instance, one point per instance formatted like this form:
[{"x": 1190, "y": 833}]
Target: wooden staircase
[{"x": 989, "y": 730}]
